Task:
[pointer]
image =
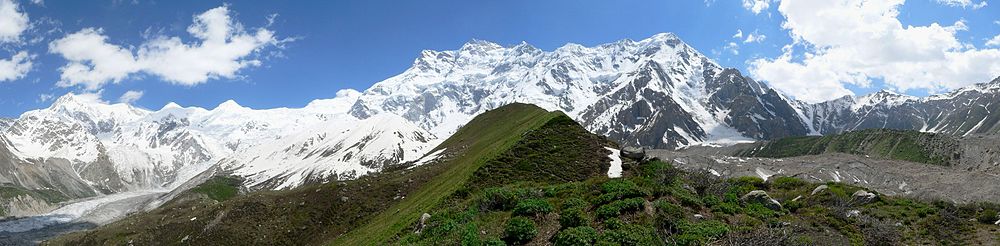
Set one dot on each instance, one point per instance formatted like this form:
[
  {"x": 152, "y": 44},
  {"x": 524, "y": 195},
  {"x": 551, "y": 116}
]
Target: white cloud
[
  {"x": 38, "y": 2},
  {"x": 45, "y": 97},
  {"x": 963, "y": 3},
  {"x": 13, "y": 22},
  {"x": 754, "y": 38},
  {"x": 223, "y": 48},
  {"x": 854, "y": 41},
  {"x": 733, "y": 47},
  {"x": 995, "y": 41},
  {"x": 130, "y": 96},
  {"x": 739, "y": 33},
  {"x": 756, "y": 6},
  {"x": 16, "y": 67}
]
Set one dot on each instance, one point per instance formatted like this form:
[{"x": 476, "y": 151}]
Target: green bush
[
  {"x": 742, "y": 185},
  {"x": 668, "y": 216},
  {"x": 789, "y": 183},
  {"x": 519, "y": 230},
  {"x": 629, "y": 234},
  {"x": 500, "y": 198},
  {"x": 532, "y": 207},
  {"x": 987, "y": 216},
  {"x": 583, "y": 235},
  {"x": 617, "y": 207},
  {"x": 574, "y": 202},
  {"x": 700, "y": 233},
  {"x": 573, "y": 217},
  {"x": 494, "y": 242},
  {"x": 617, "y": 189}
]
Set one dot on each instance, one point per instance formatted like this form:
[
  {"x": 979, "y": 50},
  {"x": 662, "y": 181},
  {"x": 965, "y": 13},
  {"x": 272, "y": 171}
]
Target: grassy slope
[
  {"x": 657, "y": 206},
  {"x": 486, "y": 136},
  {"x": 878, "y": 143},
  {"x": 11, "y": 192}
]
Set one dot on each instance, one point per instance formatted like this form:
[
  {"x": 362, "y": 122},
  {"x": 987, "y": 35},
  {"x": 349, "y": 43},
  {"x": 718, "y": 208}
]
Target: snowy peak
[
  {"x": 229, "y": 105},
  {"x": 884, "y": 98}
]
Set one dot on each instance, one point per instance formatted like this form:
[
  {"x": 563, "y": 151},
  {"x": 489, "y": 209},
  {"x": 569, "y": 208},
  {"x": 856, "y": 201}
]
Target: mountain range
[{"x": 657, "y": 93}]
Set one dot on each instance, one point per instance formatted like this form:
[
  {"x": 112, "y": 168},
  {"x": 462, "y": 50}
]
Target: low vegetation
[{"x": 876, "y": 143}]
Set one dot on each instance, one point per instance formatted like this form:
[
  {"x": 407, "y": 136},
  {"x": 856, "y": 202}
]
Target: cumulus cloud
[
  {"x": 995, "y": 41},
  {"x": 754, "y": 38},
  {"x": 130, "y": 96},
  {"x": 851, "y": 42},
  {"x": 739, "y": 33},
  {"x": 733, "y": 48},
  {"x": 756, "y": 6},
  {"x": 963, "y": 3},
  {"x": 223, "y": 48},
  {"x": 13, "y": 22},
  {"x": 45, "y": 97}
]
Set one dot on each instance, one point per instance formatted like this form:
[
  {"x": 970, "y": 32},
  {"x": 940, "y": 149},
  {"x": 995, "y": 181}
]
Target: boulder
[
  {"x": 759, "y": 196},
  {"x": 819, "y": 189},
  {"x": 423, "y": 221},
  {"x": 635, "y": 153},
  {"x": 863, "y": 197}
]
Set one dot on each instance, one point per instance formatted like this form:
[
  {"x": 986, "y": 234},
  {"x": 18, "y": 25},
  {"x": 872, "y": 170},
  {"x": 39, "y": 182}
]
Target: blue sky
[{"x": 320, "y": 47}]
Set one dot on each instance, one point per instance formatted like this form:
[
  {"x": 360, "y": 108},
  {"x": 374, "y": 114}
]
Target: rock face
[{"x": 759, "y": 196}]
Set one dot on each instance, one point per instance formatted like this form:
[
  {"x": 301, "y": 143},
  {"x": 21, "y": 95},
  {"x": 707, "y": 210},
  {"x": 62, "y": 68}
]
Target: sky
[{"x": 267, "y": 54}]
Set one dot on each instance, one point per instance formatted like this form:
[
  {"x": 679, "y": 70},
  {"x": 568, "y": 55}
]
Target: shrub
[
  {"x": 668, "y": 216},
  {"x": 519, "y": 230},
  {"x": 629, "y": 234},
  {"x": 660, "y": 172},
  {"x": 573, "y": 217},
  {"x": 617, "y": 207},
  {"x": 987, "y": 216},
  {"x": 700, "y": 233},
  {"x": 500, "y": 198},
  {"x": 532, "y": 207},
  {"x": 742, "y": 185},
  {"x": 686, "y": 198},
  {"x": 617, "y": 189},
  {"x": 574, "y": 202},
  {"x": 583, "y": 235},
  {"x": 788, "y": 183},
  {"x": 494, "y": 242}
]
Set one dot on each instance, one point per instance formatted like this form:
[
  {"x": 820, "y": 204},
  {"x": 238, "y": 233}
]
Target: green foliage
[
  {"x": 519, "y": 230},
  {"x": 573, "y": 217},
  {"x": 617, "y": 189},
  {"x": 882, "y": 143},
  {"x": 583, "y": 235},
  {"x": 700, "y": 233},
  {"x": 630, "y": 234},
  {"x": 615, "y": 208},
  {"x": 219, "y": 188},
  {"x": 789, "y": 183},
  {"x": 532, "y": 207},
  {"x": 574, "y": 202},
  {"x": 987, "y": 216},
  {"x": 668, "y": 216},
  {"x": 500, "y": 198}
]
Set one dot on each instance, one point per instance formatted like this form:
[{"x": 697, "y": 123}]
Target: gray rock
[
  {"x": 863, "y": 197},
  {"x": 423, "y": 222},
  {"x": 819, "y": 189},
  {"x": 759, "y": 196},
  {"x": 635, "y": 153}
]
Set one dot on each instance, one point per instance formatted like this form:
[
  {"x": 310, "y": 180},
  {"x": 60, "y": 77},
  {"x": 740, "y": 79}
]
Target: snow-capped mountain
[
  {"x": 657, "y": 92},
  {"x": 971, "y": 110},
  {"x": 111, "y": 148}
]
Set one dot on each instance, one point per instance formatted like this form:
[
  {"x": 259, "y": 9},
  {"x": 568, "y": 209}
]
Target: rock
[
  {"x": 344, "y": 199},
  {"x": 423, "y": 221},
  {"x": 699, "y": 216},
  {"x": 761, "y": 197},
  {"x": 819, "y": 189},
  {"x": 853, "y": 213},
  {"x": 863, "y": 197},
  {"x": 635, "y": 153},
  {"x": 797, "y": 198}
]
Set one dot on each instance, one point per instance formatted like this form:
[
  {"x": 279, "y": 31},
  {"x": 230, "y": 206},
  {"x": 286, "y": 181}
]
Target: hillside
[
  {"x": 929, "y": 148},
  {"x": 313, "y": 214}
]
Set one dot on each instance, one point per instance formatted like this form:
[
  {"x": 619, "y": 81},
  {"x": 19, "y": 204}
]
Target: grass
[
  {"x": 219, "y": 188},
  {"x": 879, "y": 143},
  {"x": 486, "y": 136}
]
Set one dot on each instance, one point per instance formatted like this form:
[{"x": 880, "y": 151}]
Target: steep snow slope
[{"x": 656, "y": 92}]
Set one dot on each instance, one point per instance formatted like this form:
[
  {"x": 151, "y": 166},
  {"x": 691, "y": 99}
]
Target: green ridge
[{"x": 876, "y": 143}]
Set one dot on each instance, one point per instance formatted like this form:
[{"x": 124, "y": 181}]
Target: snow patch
[{"x": 615, "y": 171}]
